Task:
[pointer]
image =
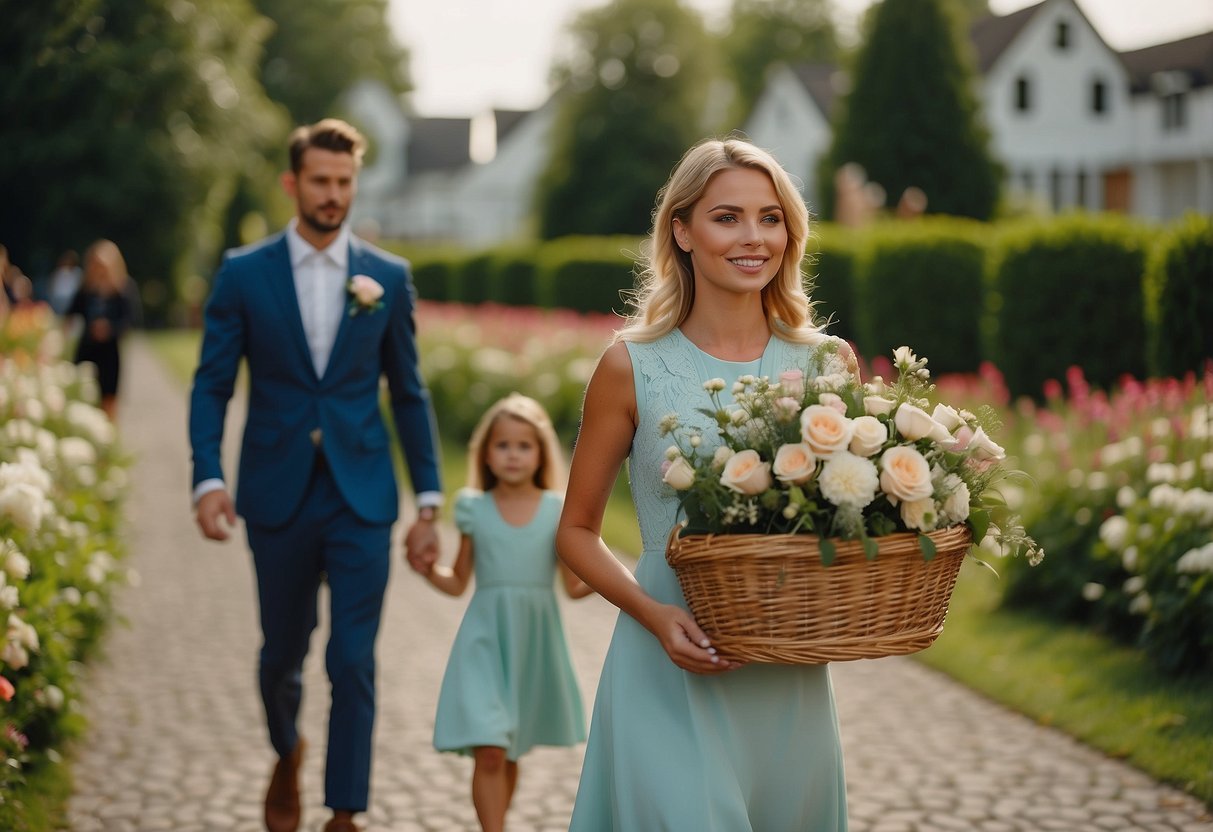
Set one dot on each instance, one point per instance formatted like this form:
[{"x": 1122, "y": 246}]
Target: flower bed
[{"x": 62, "y": 482}]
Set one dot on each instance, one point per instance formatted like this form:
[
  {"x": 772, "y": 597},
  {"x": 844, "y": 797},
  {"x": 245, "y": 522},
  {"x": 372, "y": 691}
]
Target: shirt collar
[{"x": 300, "y": 249}]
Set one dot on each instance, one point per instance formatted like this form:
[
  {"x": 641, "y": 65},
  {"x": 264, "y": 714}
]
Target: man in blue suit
[{"x": 320, "y": 317}]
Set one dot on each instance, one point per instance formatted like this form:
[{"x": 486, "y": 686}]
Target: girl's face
[
  {"x": 735, "y": 233},
  {"x": 513, "y": 451}
]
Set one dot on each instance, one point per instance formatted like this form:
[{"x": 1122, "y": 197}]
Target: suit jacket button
[{"x": 316, "y": 435}]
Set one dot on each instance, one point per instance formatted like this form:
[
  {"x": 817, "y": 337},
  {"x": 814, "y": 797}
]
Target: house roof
[
  {"x": 820, "y": 80},
  {"x": 991, "y": 35},
  {"x": 507, "y": 120},
  {"x": 437, "y": 144},
  {"x": 1192, "y": 56}
]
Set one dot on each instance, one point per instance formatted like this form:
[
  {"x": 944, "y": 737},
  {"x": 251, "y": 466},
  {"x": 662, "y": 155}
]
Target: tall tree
[
  {"x": 319, "y": 48},
  {"x": 912, "y": 117},
  {"x": 128, "y": 119},
  {"x": 633, "y": 99},
  {"x": 762, "y": 33}
]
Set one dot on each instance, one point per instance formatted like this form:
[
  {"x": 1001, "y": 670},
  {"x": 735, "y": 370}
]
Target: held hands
[
  {"x": 421, "y": 546},
  {"x": 686, "y": 644},
  {"x": 213, "y": 507}
]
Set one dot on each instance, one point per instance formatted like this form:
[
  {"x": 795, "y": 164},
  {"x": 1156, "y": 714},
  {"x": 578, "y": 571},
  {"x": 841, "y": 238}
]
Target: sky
[{"x": 468, "y": 56}]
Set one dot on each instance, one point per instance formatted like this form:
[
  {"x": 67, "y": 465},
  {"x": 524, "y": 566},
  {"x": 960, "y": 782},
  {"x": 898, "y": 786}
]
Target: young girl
[{"x": 509, "y": 683}]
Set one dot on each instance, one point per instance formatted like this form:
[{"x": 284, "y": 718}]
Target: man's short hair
[{"x": 328, "y": 134}]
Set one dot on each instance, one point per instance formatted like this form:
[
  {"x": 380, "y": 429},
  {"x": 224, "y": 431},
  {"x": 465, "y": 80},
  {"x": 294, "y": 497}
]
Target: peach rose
[
  {"x": 869, "y": 435},
  {"x": 905, "y": 474},
  {"x": 825, "y": 429},
  {"x": 746, "y": 473},
  {"x": 795, "y": 464}
]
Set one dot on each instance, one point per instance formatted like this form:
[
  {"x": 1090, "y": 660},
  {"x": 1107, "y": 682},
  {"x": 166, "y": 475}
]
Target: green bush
[
  {"x": 436, "y": 276},
  {"x": 1069, "y": 293},
  {"x": 476, "y": 278},
  {"x": 923, "y": 285},
  {"x": 514, "y": 274},
  {"x": 589, "y": 274},
  {"x": 831, "y": 267},
  {"x": 1180, "y": 298}
]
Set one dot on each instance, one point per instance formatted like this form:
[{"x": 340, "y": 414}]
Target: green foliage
[
  {"x": 632, "y": 101},
  {"x": 1180, "y": 298},
  {"x": 515, "y": 276},
  {"x": 589, "y": 274},
  {"x": 912, "y": 117},
  {"x": 320, "y": 48},
  {"x": 476, "y": 278},
  {"x": 1069, "y": 292},
  {"x": 435, "y": 271},
  {"x": 831, "y": 266},
  {"x": 923, "y": 285},
  {"x": 762, "y": 33},
  {"x": 130, "y": 120}
]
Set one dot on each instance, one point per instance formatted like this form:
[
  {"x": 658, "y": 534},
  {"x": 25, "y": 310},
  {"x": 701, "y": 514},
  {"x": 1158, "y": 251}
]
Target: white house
[{"x": 1075, "y": 123}]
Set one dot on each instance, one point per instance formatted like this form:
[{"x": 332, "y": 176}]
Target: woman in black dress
[{"x": 104, "y": 304}]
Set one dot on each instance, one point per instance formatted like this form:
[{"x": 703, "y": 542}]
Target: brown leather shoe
[
  {"x": 282, "y": 798},
  {"x": 341, "y": 824}
]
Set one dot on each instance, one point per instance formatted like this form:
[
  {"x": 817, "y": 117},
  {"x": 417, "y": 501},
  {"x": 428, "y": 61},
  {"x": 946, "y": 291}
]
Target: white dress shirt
[{"x": 321, "y": 276}]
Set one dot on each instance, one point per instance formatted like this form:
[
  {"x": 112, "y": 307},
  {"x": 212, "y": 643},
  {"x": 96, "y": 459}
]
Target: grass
[
  {"x": 1101, "y": 693},
  {"x": 1104, "y": 694}
]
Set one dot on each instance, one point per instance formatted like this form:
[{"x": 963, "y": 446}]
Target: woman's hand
[{"x": 686, "y": 644}]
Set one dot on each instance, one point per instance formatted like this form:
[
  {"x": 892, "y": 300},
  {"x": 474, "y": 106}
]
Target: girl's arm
[
  {"x": 574, "y": 586},
  {"x": 453, "y": 580},
  {"x": 607, "y": 427}
]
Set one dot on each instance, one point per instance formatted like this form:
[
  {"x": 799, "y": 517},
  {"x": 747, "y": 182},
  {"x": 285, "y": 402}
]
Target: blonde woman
[
  {"x": 682, "y": 738},
  {"x": 106, "y": 306}
]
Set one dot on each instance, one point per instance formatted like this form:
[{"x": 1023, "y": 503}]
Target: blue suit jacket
[{"x": 253, "y": 313}]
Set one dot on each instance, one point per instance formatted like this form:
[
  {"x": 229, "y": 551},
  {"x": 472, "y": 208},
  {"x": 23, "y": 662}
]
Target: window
[
  {"x": 1023, "y": 94},
  {"x": 1055, "y": 189},
  {"x": 1174, "y": 111},
  {"x": 1080, "y": 189},
  {"x": 1099, "y": 97},
  {"x": 1062, "y": 39}
]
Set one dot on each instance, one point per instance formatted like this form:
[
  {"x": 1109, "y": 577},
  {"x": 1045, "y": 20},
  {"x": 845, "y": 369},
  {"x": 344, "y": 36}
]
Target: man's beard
[{"x": 314, "y": 221}]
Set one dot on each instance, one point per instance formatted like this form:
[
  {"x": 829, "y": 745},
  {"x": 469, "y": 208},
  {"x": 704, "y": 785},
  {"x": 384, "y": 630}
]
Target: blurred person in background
[{"x": 106, "y": 305}]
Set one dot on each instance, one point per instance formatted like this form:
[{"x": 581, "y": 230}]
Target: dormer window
[
  {"x": 1099, "y": 97},
  {"x": 1061, "y": 37},
  {"x": 1023, "y": 94}
]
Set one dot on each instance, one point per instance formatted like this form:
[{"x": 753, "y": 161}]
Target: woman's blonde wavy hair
[{"x": 666, "y": 287}]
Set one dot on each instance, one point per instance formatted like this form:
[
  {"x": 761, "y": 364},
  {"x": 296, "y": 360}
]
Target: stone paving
[{"x": 176, "y": 739}]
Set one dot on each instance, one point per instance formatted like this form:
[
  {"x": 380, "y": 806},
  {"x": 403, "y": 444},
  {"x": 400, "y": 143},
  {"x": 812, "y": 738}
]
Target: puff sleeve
[{"x": 465, "y": 509}]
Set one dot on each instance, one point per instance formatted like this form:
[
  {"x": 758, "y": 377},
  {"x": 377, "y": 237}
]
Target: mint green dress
[
  {"x": 752, "y": 750},
  {"x": 509, "y": 681}
]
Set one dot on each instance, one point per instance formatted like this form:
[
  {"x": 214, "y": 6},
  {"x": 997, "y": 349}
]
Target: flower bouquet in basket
[{"x": 830, "y": 521}]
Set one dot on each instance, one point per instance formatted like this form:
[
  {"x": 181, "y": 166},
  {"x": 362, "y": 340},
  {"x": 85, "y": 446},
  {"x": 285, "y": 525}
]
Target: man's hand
[
  {"x": 421, "y": 546},
  {"x": 213, "y": 507}
]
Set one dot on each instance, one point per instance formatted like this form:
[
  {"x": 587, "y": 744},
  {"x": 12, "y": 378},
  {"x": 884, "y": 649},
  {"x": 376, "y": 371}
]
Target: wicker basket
[{"x": 767, "y": 598}]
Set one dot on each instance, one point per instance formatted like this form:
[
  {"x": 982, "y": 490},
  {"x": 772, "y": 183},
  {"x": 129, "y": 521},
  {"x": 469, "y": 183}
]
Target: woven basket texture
[{"x": 768, "y": 598}]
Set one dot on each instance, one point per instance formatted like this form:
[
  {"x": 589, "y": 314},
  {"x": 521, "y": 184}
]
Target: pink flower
[{"x": 6, "y": 689}]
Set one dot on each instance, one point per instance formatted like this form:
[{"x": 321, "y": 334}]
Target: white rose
[
  {"x": 795, "y": 464},
  {"x": 746, "y": 473},
  {"x": 785, "y": 408},
  {"x": 680, "y": 475},
  {"x": 904, "y": 474},
  {"x": 869, "y": 435},
  {"x": 14, "y": 655},
  {"x": 24, "y": 504},
  {"x": 1114, "y": 532},
  {"x": 75, "y": 450},
  {"x": 983, "y": 447},
  {"x": 825, "y": 429},
  {"x": 16, "y": 565},
  {"x": 955, "y": 508},
  {"x": 848, "y": 480},
  {"x": 914, "y": 423},
  {"x": 877, "y": 405},
  {"x": 722, "y": 455},
  {"x": 366, "y": 290},
  {"x": 833, "y": 400},
  {"x": 919, "y": 514},
  {"x": 947, "y": 416}
]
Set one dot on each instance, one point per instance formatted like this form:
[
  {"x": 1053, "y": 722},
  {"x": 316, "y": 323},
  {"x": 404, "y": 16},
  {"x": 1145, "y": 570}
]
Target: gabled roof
[
  {"x": 1192, "y": 56},
  {"x": 820, "y": 80},
  {"x": 507, "y": 120},
  {"x": 437, "y": 144},
  {"x": 991, "y": 35}
]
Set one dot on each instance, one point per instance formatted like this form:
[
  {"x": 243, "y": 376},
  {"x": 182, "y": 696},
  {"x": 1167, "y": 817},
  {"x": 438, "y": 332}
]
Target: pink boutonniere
[{"x": 365, "y": 294}]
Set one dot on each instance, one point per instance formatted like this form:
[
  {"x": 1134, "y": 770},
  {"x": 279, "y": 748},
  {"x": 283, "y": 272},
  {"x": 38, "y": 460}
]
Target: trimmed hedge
[
  {"x": 1179, "y": 286},
  {"x": 514, "y": 274},
  {"x": 923, "y": 285},
  {"x": 831, "y": 264},
  {"x": 1069, "y": 293},
  {"x": 589, "y": 274}
]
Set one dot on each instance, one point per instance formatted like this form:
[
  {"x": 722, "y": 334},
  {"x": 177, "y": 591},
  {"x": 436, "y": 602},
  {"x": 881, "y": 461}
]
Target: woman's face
[
  {"x": 98, "y": 270},
  {"x": 735, "y": 233}
]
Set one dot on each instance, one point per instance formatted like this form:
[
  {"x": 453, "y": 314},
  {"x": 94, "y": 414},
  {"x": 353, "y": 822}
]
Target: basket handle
[{"x": 672, "y": 543}]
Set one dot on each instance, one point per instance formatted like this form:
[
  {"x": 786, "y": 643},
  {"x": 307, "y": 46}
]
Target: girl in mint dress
[
  {"x": 509, "y": 683},
  {"x": 682, "y": 739}
]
